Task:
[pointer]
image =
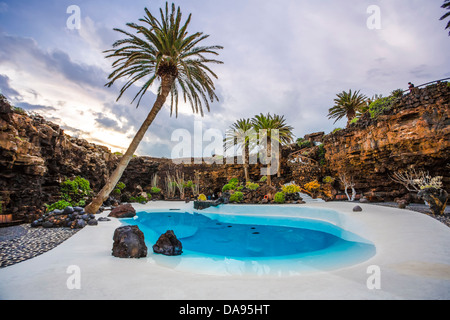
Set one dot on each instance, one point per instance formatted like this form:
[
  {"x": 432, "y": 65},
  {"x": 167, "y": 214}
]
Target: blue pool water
[{"x": 216, "y": 243}]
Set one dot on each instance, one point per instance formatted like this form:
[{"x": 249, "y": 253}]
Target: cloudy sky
[{"x": 284, "y": 57}]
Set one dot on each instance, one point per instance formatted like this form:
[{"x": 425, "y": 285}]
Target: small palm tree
[
  {"x": 266, "y": 126},
  {"x": 160, "y": 51},
  {"x": 241, "y": 134},
  {"x": 347, "y": 104},
  {"x": 446, "y": 5}
]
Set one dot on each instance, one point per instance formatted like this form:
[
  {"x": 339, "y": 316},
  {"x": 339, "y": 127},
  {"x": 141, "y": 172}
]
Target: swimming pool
[{"x": 256, "y": 240}]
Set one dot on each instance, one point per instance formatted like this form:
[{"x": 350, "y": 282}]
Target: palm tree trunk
[
  {"x": 269, "y": 165},
  {"x": 279, "y": 165},
  {"x": 247, "y": 178},
  {"x": 166, "y": 85},
  {"x": 246, "y": 163}
]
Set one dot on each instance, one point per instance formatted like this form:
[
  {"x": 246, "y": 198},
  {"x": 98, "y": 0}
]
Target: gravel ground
[{"x": 20, "y": 243}]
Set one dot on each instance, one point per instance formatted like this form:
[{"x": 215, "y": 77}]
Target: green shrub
[
  {"x": 116, "y": 191},
  {"x": 155, "y": 190},
  {"x": 354, "y": 120},
  {"x": 291, "y": 188},
  {"x": 280, "y": 197},
  {"x": 302, "y": 143},
  {"x": 58, "y": 205},
  {"x": 237, "y": 197},
  {"x": 251, "y": 186},
  {"x": 120, "y": 186},
  {"x": 75, "y": 190},
  {"x": 138, "y": 199},
  {"x": 328, "y": 179},
  {"x": 336, "y": 130},
  {"x": 381, "y": 105},
  {"x": 188, "y": 184},
  {"x": 234, "y": 182},
  {"x": 227, "y": 187},
  {"x": 263, "y": 179}
]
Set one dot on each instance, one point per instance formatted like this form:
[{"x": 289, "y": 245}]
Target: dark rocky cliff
[
  {"x": 413, "y": 134},
  {"x": 36, "y": 155}
]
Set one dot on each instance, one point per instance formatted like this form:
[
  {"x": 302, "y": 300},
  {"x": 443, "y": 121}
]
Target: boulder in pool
[
  {"x": 168, "y": 244},
  {"x": 123, "y": 211},
  {"x": 129, "y": 243}
]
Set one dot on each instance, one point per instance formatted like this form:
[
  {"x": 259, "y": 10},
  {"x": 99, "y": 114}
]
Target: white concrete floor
[{"x": 413, "y": 257}]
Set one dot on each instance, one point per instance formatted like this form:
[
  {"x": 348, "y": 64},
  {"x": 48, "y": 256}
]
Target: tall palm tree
[
  {"x": 446, "y": 5},
  {"x": 347, "y": 104},
  {"x": 241, "y": 134},
  {"x": 266, "y": 126},
  {"x": 160, "y": 51}
]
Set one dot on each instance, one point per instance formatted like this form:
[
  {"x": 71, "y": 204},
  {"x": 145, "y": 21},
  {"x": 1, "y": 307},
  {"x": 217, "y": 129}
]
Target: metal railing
[{"x": 425, "y": 84}]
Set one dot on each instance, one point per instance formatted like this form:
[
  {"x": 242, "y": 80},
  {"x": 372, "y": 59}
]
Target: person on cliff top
[{"x": 410, "y": 86}]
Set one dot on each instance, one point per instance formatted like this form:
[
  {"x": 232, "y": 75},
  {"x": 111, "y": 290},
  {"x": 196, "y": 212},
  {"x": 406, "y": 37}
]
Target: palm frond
[{"x": 157, "y": 47}]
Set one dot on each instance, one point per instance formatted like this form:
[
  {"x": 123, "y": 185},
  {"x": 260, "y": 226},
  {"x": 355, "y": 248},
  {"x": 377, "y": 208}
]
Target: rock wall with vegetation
[
  {"x": 412, "y": 132},
  {"x": 36, "y": 156}
]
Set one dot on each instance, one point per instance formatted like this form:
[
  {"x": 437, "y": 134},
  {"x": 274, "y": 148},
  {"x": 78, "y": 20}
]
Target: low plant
[
  {"x": 227, "y": 187},
  {"x": 60, "y": 205},
  {"x": 263, "y": 179},
  {"x": 354, "y": 120},
  {"x": 302, "y": 143},
  {"x": 381, "y": 105},
  {"x": 138, "y": 199},
  {"x": 279, "y": 197},
  {"x": 336, "y": 130},
  {"x": 312, "y": 186},
  {"x": 328, "y": 180},
  {"x": 233, "y": 184},
  {"x": 237, "y": 197},
  {"x": 251, "y": 186},
  {"x": 291, "y": 188},
  {"x": 155, "y": 190},
  {"x": 75, "y": 190}
]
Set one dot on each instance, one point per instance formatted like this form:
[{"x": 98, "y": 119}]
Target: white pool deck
[{"x": 413, "y": 256}]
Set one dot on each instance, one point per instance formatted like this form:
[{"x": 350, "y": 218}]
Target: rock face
[
  {"x": 436, "y": 198},
  {"x": 36, "y": 156},
  {"x": 168, "y": 244},
  {"x": 123, "y": 211},
  {"x": 415, "y": 133},
  {"x": 129, "y": 242}
]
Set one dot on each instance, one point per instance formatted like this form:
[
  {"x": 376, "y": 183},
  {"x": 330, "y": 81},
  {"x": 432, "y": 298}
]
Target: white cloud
[{"x": 285, "y": 57}]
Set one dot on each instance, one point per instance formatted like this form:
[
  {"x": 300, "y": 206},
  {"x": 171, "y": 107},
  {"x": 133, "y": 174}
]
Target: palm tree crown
[
  {"x": 266, "y": 125},
  {"x": 162, "y": 49},
  {"x": 159, "y": 51},
  {"x": 446, "y": 5},
  {"x": 347, "y": 104},
  {"x": 242, "y": 135}
]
